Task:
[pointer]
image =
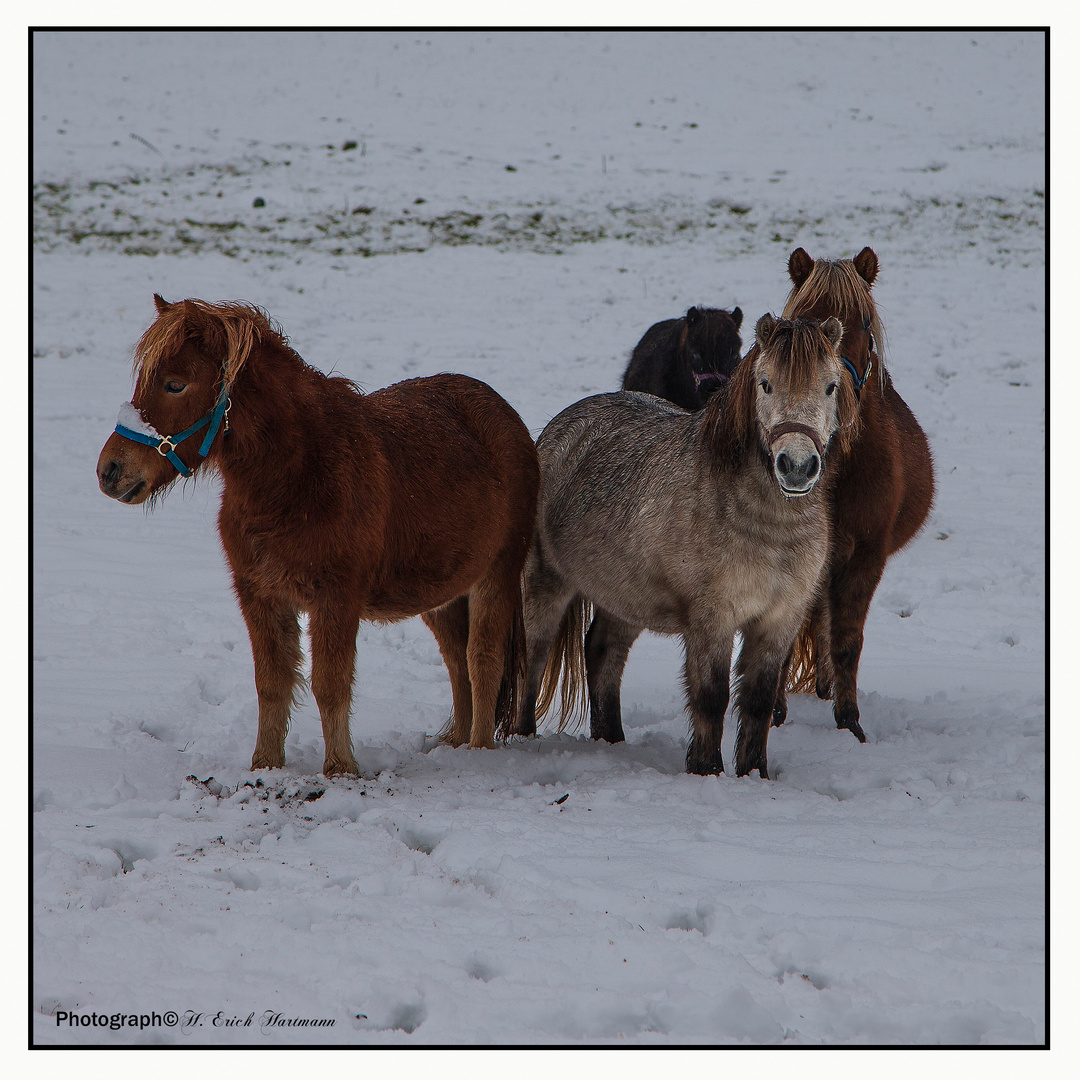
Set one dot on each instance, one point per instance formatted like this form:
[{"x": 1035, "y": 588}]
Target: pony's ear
[
  {"x": 736, "y": 317},
  {"x": 161, "y": 304},
  {"x": 764, "y": 329},
  {"x": 799, "y": 266},
  {"x": 693, "y": 317},
  {"x": 833, "y": 329},
  {"x": 866, "y": 264}
]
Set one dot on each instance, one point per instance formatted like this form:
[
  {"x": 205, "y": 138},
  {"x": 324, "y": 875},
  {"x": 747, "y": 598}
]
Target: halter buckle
[{"x": 166, "y": 446}]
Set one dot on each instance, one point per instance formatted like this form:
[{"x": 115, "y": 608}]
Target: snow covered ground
[{"x": 522, "y": 208}]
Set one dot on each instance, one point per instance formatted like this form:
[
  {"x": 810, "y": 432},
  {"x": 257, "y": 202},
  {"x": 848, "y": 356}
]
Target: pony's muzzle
[
  {"x": 118, "y": 482},
  {"x": 797, "y": 456},
  {"x": 797, "y": 474}
]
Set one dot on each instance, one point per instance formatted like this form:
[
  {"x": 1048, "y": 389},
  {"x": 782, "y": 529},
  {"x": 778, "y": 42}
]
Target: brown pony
[
  {"x": 416, "y": 499},
  {"x": 882, "y": 485}
]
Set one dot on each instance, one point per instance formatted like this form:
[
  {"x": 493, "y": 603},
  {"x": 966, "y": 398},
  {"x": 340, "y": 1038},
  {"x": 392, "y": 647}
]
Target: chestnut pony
[
  {"x": 416, "y": 499},
  {"x": 882, "y": 485}
]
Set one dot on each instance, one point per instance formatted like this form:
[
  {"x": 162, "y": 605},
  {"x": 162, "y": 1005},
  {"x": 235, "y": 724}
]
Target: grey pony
[{"x": 698, "y": 524}]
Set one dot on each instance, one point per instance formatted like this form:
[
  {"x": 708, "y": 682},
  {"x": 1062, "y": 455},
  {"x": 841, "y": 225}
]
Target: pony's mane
[
  {"x": 230, "y": 330},
  {"x": 836, "y": 284}
]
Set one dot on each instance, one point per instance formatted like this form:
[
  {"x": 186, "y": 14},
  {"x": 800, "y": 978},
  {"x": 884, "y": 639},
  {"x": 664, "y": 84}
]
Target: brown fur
[
  {"x": 881, "y": 491},
  {"x": 416, "y": 499}
]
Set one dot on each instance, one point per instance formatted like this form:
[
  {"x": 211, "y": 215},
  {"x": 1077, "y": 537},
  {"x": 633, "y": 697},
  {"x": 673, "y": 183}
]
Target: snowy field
[{"x": 521, "y": 209}]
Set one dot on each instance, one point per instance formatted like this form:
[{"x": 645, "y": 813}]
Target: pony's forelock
[
  {"x": 230, "y": 328},
  {"x": 730, "y": 417},
  {"x": 836, "y": 284}
]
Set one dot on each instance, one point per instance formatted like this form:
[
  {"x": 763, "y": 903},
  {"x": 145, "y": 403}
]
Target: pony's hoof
[
  {"x": 848, "y": 718},
  {"x": 779, "y": 713},
  {"x": 341, "y": 768},
  {"x": 855, "y": 730},
  {"x": 608, "y": 736},
  {"x": 824, "y": 690},
  {"x": 704, "y": 764},
  {"x": 746, "y": 770},
  {"x": 267, "y": 761}
]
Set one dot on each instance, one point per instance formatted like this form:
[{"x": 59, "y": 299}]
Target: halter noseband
[
  {"x": 166, "y": 445},
  {"x": 705, "y": 376},
  {"x": 789, "y": 427}
]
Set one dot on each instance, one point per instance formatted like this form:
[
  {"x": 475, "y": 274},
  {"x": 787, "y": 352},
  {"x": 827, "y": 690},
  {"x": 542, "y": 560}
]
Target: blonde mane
[
  {"x": 837, "y": 285},
  {"x": 230, "y": 330}
]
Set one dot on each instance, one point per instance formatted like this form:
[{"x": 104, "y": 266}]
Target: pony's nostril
[
  {"x": 110, "y": 473},
  {"x": 812, "y": 467},
  {"x": 783, "y": 463}
]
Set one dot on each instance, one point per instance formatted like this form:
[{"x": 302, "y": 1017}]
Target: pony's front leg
[
  {"x": 333, "y": 629},
  {"x": 758, "y": 670},
  {"x": 707, "y": 672},
  {"x": 275, "y": 646}
]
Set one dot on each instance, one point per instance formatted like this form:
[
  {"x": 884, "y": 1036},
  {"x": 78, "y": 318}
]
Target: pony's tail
[
  {"x": 447, "y": 729},
  {"x": 514, "y": 673},
  {"x": 802, "y": 671},
  {"x": 566, "y": 661},
  {"x": 810, "y": 669}
]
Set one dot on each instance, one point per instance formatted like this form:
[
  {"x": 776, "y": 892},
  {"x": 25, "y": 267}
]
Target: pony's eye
[
  {"x": 830, "y": 389},
  {"x": 174, "y": 386},
  {"x": 766, "y": 386}
]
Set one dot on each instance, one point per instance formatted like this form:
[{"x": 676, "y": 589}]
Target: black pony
[{"x": 685, "y": 360}]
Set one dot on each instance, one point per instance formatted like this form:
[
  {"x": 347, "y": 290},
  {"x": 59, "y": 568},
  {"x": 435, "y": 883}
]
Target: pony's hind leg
[
  {"x": 707, "y": 673},
  {"x": 607, "y": 645},
  {"x": 275, "y": 646},
  {"x": 820, "y": 627},
  {"x": 333, "y": 628},
  {"x": 450, "y": 625},
  {"x": 548, "y": 625},
  {"x": 493, "y": 605},
  {"x": 851, "y": 589}
]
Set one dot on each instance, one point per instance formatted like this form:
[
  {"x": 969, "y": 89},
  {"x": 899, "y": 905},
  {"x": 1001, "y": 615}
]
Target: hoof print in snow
[
  {"x": 417, "y": 838},
  {"x": 209, "y": 785}
]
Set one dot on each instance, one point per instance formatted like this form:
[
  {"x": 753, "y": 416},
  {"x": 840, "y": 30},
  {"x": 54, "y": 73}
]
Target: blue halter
[
  {"x": 860, "y": 382},
  {"x": 166, "y": 445}
]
